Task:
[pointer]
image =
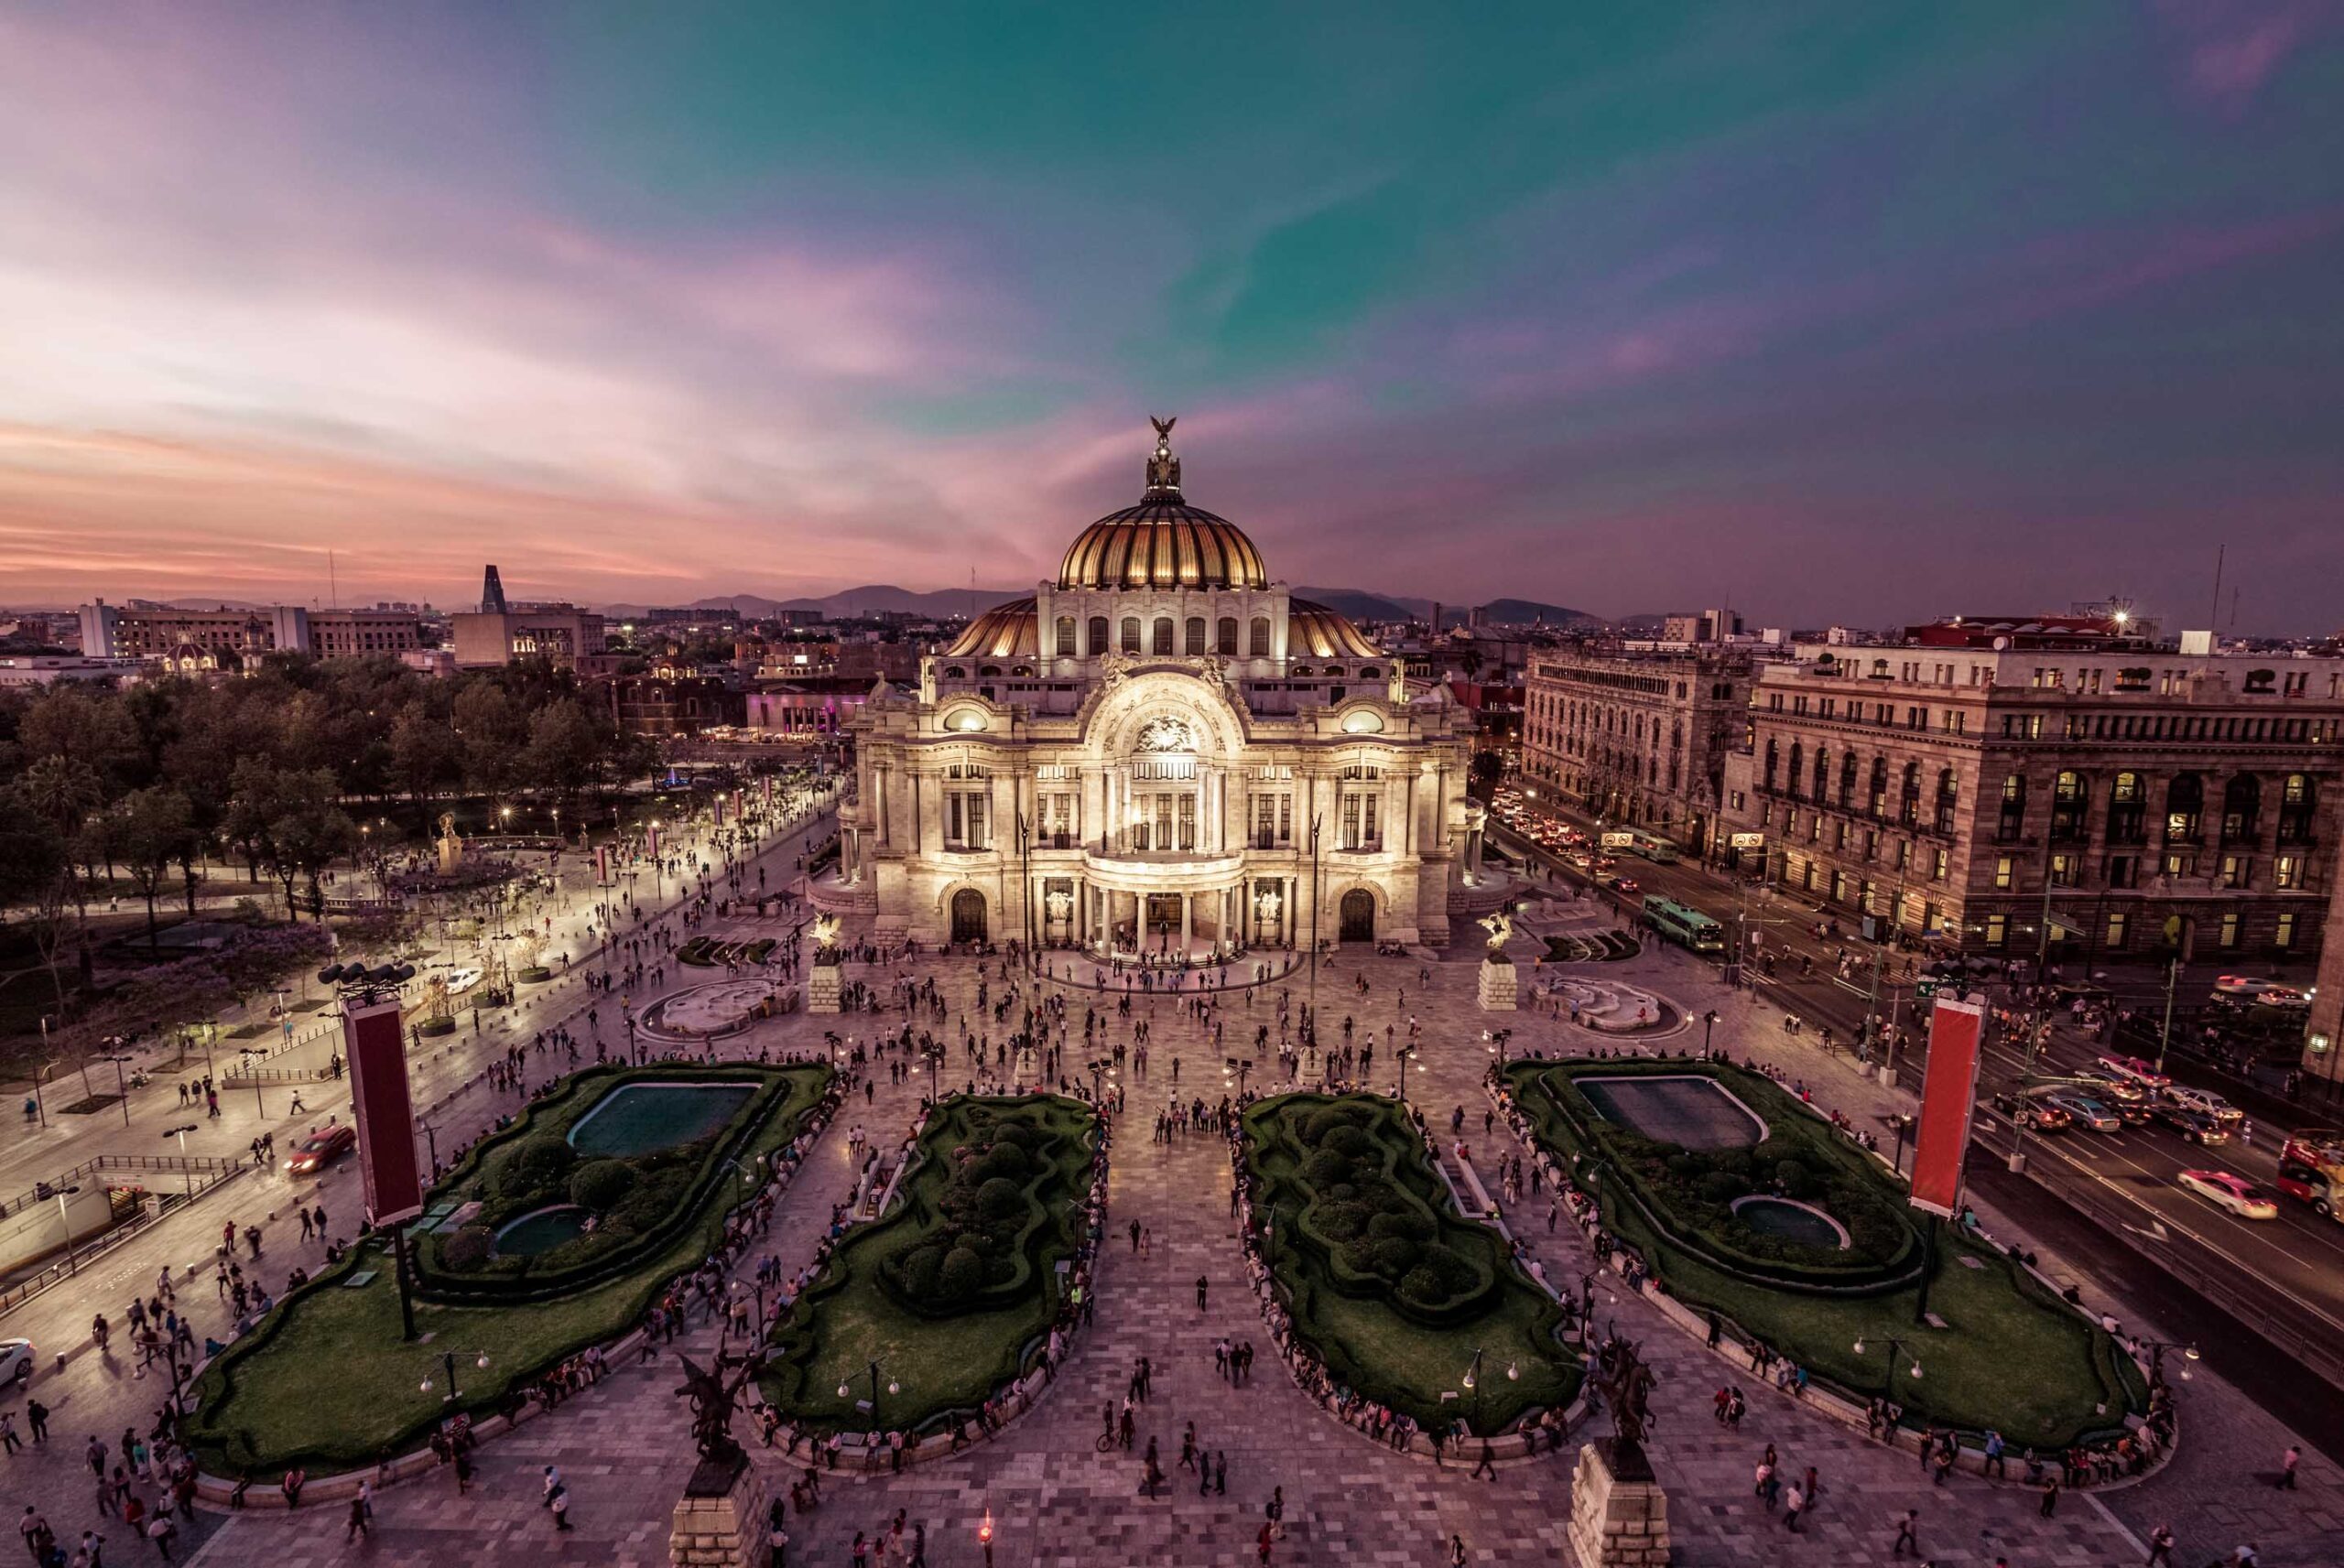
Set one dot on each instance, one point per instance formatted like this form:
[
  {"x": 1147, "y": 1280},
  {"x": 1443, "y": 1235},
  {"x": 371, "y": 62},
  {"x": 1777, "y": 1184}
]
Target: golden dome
[
  {"x": 1313, "y": 631},
  {"x": 1162, "y": 542},
  {"x": 1004, "y": 631}
]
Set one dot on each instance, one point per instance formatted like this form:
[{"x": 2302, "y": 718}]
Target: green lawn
[
  {"x": 1408, "y": 1360},
  {"x": 943, "y": 1363},
  {"x": 326, "y": 1382},
  {"x": 2011, "y": 1357}
]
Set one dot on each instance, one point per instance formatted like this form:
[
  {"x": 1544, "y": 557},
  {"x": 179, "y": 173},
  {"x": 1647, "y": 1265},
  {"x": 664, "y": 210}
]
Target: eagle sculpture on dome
[{"x": 1163, "y": 468}]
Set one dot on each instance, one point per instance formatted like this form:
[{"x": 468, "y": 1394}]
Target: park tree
[
  {"x": 36, "y": 875},
  {"x": 426, "y": 756},
  {"x": 153, "y": 829},
  {"x": 565, "y": 751},
  {"x": 308, "y": 832}
]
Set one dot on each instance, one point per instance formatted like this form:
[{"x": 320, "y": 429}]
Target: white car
[
  {"x": 2234, "y": 1193},
  {"x": 2206, "y": 1103},
  {"x": 15, "y": 1360}
]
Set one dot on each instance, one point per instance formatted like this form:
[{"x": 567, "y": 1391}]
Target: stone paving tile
[{"x": 1056, "y": 1500}]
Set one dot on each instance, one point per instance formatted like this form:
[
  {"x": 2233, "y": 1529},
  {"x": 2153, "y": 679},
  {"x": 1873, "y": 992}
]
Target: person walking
[
  {"x": 2050, "y": 1495},
  {"x": 2161, "y": 1546},
  {"x": 1793, "y": 1501},
  {"x": 1201, "y": 1284},
  {"x": 1456, "y": 1551},
  {"x": 1909, "y": 1534},
  {"x": 2287, "y": 1464}
]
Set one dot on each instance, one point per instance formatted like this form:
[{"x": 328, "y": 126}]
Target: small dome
[
  {"x": 1004, "y": 631},
  {"x": 1315, "y": 631},
  {"x": 1162, "y": 542}
]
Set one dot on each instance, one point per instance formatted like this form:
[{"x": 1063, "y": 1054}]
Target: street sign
[
  {"x": 1618, "y": 841},
  {"x": 1749, "y": 840}
]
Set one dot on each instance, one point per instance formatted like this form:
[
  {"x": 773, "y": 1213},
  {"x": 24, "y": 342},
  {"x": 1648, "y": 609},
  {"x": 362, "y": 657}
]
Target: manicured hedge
[{"x": 1687, "y": 1194}]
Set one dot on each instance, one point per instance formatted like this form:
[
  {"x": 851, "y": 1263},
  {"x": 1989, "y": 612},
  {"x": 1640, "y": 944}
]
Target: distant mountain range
[{"x": 1356, "y": 603}]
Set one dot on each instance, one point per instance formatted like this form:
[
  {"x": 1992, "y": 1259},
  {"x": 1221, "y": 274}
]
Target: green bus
[{"x": 1685, "y": 926}]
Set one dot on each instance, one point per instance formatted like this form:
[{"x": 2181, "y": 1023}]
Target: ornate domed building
[{"x": 1145, "y": 755}]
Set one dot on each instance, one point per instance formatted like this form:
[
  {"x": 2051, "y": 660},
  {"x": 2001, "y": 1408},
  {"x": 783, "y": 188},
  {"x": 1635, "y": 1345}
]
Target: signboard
[
  {"x": 1749, "y": 840},
  {"x": 1948, "y": 1096},
  {"x": 383, "y": 1108},
  {"x": 1618, "y": 841}
]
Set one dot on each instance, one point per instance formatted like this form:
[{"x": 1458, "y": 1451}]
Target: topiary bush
[
  {"x": 467, "y": 1249},
  {"x": 601, "y": 1184}
]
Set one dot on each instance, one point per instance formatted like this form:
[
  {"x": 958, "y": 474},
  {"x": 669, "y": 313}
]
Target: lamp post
[
  {"x": 1888, "y": 1386},
  {"x": 122, "y": 1087},
  {"x": 448, "y": 1358},
  {"x": 846, "y": 1390},
  {"x": 1404, "y": 1053},
  {"x": 180, "y": 1133},
  {"x": 1315, "y": 891},
  {"x": 1241, "y": 1066},
  {"x": 1708, "y": 1023},
  {"x": 984, "y": 1535},
  {"x": 1474, "y": 1383},
  {"x": 65, "y": 1223},
  {"x": 40, "y": 1106},
  {"x": 2156, "y": 1349},
  {"x": 252, "y": 1066}
]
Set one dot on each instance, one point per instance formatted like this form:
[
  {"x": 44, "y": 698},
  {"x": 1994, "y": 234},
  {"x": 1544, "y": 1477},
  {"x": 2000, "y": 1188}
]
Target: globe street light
[{"x": 846, "y": 1390}]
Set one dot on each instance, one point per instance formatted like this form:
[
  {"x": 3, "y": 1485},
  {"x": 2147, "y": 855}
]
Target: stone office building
[
  {"x": 1638, "y": 739},
  {"x": 2164, "y": 803},
  {"x": 1162, "y": 751}
]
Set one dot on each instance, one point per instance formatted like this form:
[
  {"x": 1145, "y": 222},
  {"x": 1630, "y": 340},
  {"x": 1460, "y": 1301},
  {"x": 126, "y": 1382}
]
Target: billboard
[
  {"x": 1949, "y": 1096},
  {"x": 384, "y": 1109}
]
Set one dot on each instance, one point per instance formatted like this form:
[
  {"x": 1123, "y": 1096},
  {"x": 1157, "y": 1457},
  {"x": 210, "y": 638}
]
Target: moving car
[
  {"x": 2133, "y": 1067},
  {"x": 2234, "y": 1193},
  {"x": 2309, "y": 1184},
  {"x": 2195, "y": 1126},
  {"x": 2087, "y": 1111},
  {"x": 322, "y": 1149},
  {"x": 2206, "y": 1102},
  {"x": 1621, "y": 884},
  {"x": 15, "y": 1360},
  {"x": 2114, "y": 1086},
  {"x": 2041, "y": 1116},
  {"x": 2270, "y": 993}
]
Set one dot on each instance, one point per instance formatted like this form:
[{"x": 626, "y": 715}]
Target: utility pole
[{"x": 2164, "y": 1035}]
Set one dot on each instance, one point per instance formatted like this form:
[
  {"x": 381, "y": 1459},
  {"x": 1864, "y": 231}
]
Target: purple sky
[{"x": 1854, "y": 312}]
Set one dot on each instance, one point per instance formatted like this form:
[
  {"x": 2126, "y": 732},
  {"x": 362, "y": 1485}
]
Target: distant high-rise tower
[{"x": 492, "y": 594}]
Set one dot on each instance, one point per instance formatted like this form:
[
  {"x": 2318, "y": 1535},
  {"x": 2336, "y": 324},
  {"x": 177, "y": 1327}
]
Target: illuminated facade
[{"x": 1135, "y": 758}]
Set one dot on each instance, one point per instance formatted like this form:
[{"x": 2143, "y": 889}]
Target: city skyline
[{"x": 1861, "y": 309}]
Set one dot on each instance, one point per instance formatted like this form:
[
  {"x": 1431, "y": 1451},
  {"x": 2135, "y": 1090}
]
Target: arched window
[
  {"x": 1799, "y": 768},
  {"x": 1880, "y": 786},
  {"x": 2071, "y": 801},
  {"x": 1065, "y": 649},
  {"x": 2241, "y": 809},
  {"x": 2128, "y": 809},
  {"x": 2297, "y": 797},
  {"x": 1848, "y": 782},
  {"x": 1098, "y": 632},
  {"x": 1161, "y": 642},
  {"x": 1131, "y": 634},
  {"x": 1261, "y": 636},
  {"x": 1822, "y": 773},
  {"x": 1226, "y": 642},
  {"x": 2184, "y": 809},
  {"x": 954, "y": 672},
  {"x": 1948, "y": 797},
  {"x": 1369, "y": 671},
  {"x": 1773, "y": 763},
  {"x": 1908, "y": 810},
  {"x": 1194, "y": 642}
]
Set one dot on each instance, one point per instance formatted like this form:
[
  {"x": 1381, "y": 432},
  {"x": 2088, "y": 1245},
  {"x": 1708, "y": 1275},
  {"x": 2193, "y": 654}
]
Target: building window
[
  {"x": 1880, "y": 786},
  {"x": 2228, "y": 937},
  {"x": 1098, "y": 631},
  {"x": 1998, "y": 930},
  {"x": 2003, "y": 866},
  {"x": 964, "y": 820},
  {"x": 2184, "y": 809},
  {"x": 2013, "y": 808},
  {"x": 1940, "y": 864},
  {"x": 2297, "y": 798},
  {"x": 1227, "y": 630},
  {"x": 2068, "y": 805},
  {"x": 1908, "y": 810},
  {"x": 1261, "y": 636},
  {"x": 1131, "y": 634},
  {"x": 2285, "y": 936},
  {"x": 2180, "y": 865},
  {"x": 2241, "y": 809},
  {"x": 1161, "y": 643},
  {"x": 2123, "y": 870},
  {"x": 2113, "y": 937},
  {"x": 1948, "y": 797},
  {"x": 2236, "y": 870},
  {"x": 2062, "y": 870},
  {"x": 2287, "y": 872},
  {"x": 1065, "y": 647},
  {"x": 1799, "y": 767},
  {"x": 1195, "y": 636},
  {"x": 1357, "y": 827}
]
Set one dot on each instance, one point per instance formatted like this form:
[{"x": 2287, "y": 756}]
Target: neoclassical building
[{"x": 1145, "y": 755}]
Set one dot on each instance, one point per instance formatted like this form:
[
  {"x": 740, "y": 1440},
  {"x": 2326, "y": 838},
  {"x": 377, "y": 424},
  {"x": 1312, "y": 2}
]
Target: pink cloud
[{"x": 2232, "y": 48}]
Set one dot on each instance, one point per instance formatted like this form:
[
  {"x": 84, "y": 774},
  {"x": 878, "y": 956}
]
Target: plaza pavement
[
  {"x": 102, "y": 1394},
  {"x": 1055, "y": 1501}
]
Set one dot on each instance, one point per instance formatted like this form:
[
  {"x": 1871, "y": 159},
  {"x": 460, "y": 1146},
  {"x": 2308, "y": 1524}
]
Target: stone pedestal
[
  {"x": 1499, "y": 984},
  {"x": 823, "y": 987},
  {"x": 720, "y": 1522},
  {"x": 1619, "y": 1514}
]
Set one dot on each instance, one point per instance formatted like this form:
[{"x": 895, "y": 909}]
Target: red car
[{"x": 321, "y": 1149}]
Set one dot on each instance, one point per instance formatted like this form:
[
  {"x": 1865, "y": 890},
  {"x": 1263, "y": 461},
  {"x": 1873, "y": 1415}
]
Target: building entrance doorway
[
  {"x": 968, "y": 916},
  {"x": 1164, "y": 912},
  {"x": 1358, "y": 915}
]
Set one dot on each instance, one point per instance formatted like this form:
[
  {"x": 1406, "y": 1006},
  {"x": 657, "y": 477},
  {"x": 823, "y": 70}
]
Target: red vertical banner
[
  {"x": 603, "y": 864},
  {"x": 383, "y": 1108},
  {"x": 1948, "y": 1096},
  {"x": 769, "y": 786}
]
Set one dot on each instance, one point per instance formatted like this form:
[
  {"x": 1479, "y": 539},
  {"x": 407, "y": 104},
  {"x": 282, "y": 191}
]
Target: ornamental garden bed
[
  {"x": 954, "y": 1291},
  {"x": 326, "y": 1382},
  {"x": 2012, "y": 1356},
  {"x": 1386, "y": 1285}
]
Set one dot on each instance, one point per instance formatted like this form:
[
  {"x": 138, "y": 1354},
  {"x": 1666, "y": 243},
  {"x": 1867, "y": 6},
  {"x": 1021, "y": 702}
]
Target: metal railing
[
  {"x": 205, "y": 1174},
  {"x": 46, "y": 1191}
]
